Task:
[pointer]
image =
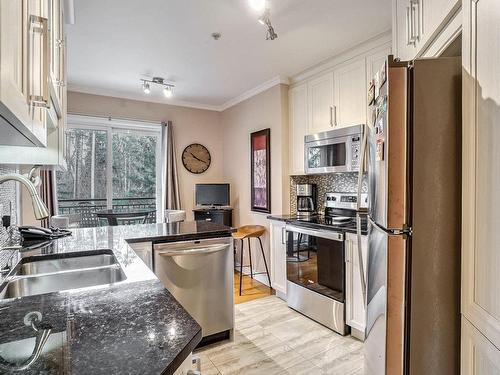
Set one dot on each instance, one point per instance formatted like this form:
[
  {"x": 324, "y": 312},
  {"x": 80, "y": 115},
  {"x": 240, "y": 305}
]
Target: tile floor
[{"x": 270, "y": 338}]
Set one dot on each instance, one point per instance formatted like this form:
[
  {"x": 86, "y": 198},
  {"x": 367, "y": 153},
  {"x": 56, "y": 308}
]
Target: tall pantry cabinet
[{"x": 481, "y": 188}]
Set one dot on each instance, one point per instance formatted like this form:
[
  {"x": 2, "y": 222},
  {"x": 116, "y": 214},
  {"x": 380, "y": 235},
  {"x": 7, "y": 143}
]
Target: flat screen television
[{"x": 212, "y": 194}]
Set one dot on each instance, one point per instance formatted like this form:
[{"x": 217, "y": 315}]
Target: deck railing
[{"x": 88, "y": 207}]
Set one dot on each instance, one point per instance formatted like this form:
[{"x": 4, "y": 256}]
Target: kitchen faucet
[{"x": 39, "y": 208}]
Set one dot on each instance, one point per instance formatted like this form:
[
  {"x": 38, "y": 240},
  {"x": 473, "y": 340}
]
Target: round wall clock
[{"x": 196, "y": 158}]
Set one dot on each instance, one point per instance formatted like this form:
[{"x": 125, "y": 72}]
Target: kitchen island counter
[{"x": 132, "y": 326}]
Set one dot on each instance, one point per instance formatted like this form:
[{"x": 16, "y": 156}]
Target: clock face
[{"x": 196, "y": 158}]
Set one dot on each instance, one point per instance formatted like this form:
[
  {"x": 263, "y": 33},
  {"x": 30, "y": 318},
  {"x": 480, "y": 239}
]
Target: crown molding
[
  {"x": 383, "y": 39},
  {"x": 180, "y": 103},
  {"x": 255, "y": 91},
  {"x": 141, "y": 98}
]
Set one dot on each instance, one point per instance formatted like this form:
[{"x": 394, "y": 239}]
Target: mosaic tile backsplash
[
  {"x": 326, "y": 183},
  {"x": 8, "y": 195}
]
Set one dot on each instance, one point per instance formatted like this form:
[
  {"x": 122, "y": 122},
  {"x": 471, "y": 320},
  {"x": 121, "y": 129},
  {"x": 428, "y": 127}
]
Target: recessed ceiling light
[{"x": 258, "y": 5}]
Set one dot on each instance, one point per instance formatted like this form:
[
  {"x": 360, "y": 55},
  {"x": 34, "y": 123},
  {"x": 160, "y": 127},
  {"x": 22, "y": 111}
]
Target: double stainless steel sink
[{"x": 58, "y": 272}]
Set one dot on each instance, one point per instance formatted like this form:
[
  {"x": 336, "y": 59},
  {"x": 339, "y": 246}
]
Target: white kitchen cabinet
[
  {"x": 321, "y": 104},
  {"x": 278, "y": 255},
  {"x": 355, "y": 304},
  {"x": 38, "y": 137},
  {"x": 57, "y": 58},
  {"x": 32, "y": 68},
  {"x": 350, "y": 94},
  {"x": 480, "y": 182},
  {"x": 410, "y": 27},
  {"x": 416, "y": 23},
  {"x": 298, "y": 127},
  {"x": 479, "y": 356},
  {"x": 14, "y": 107},
  {"x": 144, "y": 250}
]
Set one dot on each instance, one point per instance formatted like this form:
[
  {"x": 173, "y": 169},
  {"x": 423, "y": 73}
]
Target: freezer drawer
[
  {"x": 199, "y": 274},
  {"x": 386, "y": 302}
]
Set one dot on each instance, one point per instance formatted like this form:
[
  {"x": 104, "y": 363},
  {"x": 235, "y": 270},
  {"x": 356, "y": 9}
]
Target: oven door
[
  {"x": 315, "y": 261},
  {"x": 328, "y": 155}
]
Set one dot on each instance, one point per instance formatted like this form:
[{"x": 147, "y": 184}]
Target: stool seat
[{"x": 249, "y": 231}]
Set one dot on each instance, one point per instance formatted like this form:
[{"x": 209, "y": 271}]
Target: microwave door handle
[{"x": 361, "y": 168}]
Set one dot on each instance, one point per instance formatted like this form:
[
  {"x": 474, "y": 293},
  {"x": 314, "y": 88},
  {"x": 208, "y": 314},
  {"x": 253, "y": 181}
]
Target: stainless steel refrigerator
[{"x": 413, "y": 147}]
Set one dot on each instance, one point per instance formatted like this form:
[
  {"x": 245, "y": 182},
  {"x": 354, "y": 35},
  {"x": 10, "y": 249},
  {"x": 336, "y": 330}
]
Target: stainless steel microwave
[{"x": 333, "y": 151}]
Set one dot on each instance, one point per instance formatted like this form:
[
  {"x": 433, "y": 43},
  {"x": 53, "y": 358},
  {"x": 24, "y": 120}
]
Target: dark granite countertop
[{"x": 134, "y": 326}]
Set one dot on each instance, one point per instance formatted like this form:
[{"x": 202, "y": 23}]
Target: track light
[
  {"x": 168, "y": 92},
  {"x": 168, "y": 88},
  {"x": 271, "y": 35},
  {"x": 265, "y": 20}
]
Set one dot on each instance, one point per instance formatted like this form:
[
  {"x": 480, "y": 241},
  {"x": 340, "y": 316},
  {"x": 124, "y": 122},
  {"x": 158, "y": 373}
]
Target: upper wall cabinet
[
  {"x": 32, "y": 82},
  {"x": 480, "y": 184},
  {"x": 411, "y": 27},
  {"x": 417, "y": 22},
  {"x": 297, "y": 97},
  {"x": 333, "y": 98},
  {"x": 321, "y": 104},
  {"x": 32, "y": 70},
  {"x": 338, "y": 98},
  {"x": 350, "y": 94}
]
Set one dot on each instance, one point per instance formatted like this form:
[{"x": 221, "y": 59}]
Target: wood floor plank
[{"x": 251, "y": 289}]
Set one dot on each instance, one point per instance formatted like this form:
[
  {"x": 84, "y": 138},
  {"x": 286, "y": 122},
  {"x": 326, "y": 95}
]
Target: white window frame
[{"x": 112, "y": 126}]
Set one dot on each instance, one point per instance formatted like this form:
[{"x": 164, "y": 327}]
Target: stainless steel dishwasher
[{"x": 199, "y": 274}]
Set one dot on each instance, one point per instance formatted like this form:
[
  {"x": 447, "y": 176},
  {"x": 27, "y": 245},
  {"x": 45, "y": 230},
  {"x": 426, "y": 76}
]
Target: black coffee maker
[{"x": 306, "y": 200}]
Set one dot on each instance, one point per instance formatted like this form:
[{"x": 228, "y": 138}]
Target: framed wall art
[{"x": 260, "y": 171}]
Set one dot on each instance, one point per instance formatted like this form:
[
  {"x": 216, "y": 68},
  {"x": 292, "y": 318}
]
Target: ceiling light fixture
[
  {"x": 168, "y": 88},
  {"x": 265, "y": 19},
  {"x": 167, "y": 91}
]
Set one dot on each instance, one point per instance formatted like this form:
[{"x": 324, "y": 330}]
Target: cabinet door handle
[
  {"x": 408, "y": 27},
  {"x": 39, "y": 25},
  {"x": 415, "y": 20},
  {"x": 283, "y": 236},
  {"x": 331, "y": 115}
]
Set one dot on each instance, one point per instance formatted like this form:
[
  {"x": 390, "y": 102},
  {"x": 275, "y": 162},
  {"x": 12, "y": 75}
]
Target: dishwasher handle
[{"x": 195, "y": 251}]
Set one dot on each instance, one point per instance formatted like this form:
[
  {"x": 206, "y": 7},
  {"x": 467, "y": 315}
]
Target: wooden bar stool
[{"x": 248, "y": 232}]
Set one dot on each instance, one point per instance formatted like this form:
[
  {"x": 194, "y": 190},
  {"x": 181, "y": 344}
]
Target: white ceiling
[{"x": 114, "y": 43}]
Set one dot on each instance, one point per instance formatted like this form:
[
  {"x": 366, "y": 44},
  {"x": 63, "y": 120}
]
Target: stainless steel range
[{"x": 316, "y": 261}]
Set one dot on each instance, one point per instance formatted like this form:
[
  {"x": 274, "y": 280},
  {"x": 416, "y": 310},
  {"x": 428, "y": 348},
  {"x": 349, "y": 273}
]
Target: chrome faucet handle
[{"x": 34, "y": 176}]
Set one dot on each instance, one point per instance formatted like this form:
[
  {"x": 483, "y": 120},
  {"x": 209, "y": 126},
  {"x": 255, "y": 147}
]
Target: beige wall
[
  {"x": 190, "y": 125},
  {"x": 226, "y": 134},
  {"x": 266, "y": 110}
]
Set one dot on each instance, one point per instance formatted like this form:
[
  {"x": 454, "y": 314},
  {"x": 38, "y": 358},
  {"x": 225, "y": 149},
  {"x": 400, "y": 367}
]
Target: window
[{"x": 109, "y": 165}]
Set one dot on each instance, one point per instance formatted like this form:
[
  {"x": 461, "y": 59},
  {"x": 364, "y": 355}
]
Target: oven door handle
[{"x": 327, "y": 234}]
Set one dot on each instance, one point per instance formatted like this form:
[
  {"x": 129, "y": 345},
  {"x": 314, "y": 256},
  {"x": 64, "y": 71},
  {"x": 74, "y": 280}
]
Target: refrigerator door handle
[{"x": 361, "y": 171}]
